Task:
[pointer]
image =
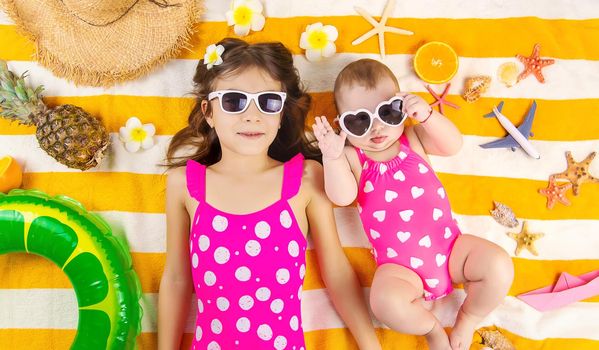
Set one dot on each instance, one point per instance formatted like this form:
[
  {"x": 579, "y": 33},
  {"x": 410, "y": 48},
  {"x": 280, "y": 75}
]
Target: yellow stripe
[
  {"x": 169, "y": 115},
  {"x": 518, "y": 36},
  {"x": 338, "y": 338},
  {"x": 36, "y": 272},
  {"x": 469, "y": 195}
]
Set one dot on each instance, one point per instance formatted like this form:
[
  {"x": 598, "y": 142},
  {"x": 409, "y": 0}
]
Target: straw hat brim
[{"x": 147, "y": 36}]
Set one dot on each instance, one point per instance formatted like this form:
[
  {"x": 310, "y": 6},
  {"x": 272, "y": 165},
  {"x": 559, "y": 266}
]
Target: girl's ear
[{"x": 204, "y": 107}]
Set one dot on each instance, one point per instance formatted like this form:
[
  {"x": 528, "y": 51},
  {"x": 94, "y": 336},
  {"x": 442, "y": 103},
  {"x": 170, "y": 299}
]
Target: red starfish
[
  {"x": 554, "y": 193},
  {"x": 440, "y": 100},
  {"x": 534, "y": 64}
]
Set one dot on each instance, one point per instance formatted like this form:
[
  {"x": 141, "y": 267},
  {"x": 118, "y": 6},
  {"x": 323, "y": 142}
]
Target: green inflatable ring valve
[{"x": 97, "y": 263}]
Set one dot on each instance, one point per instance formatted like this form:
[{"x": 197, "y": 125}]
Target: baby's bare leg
[
  {"x": 486, "y": 271},
  {"x": 396, "y": 300}
]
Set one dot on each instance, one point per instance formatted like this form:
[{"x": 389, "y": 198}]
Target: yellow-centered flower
[
  {"x": 245, "y": 15},
  {"x": 212, "y": 57},
  {"x": 319, "y": 41},
  {"x": 136, "y": 136}
]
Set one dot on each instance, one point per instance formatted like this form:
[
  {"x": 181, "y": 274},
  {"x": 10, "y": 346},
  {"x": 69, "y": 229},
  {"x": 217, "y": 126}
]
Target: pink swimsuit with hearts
[
  {"x": 407, "y": 218},
  {"x": 248, "y": 270}
]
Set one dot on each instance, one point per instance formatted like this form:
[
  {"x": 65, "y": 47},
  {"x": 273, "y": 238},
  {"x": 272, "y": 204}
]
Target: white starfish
[{"x": 379, "y": 27}]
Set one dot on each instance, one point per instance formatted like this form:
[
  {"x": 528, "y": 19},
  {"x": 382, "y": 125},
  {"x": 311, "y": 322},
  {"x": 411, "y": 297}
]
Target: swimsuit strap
[
  {"x": 196, "y": 180},
  {"x": 293, "y": 171}
]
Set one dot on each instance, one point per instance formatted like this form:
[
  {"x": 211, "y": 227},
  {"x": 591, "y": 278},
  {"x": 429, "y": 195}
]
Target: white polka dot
[
  {"x": 280, "y": 342},
  {"x": 299, "y": 293},
  {"x": 213, "y": 346},
  {"x": 222, "y": 255},
  {"x": 264, "y": 332},
  {"x": 246, "y": 302},
  {"x": 220, "y": 223},
  {"x": 285, "y": 219},
  {"x": 262, "y": 229},
  {"x": 276, "y": 249},
  {"x": 200, "y": 306},
  {"x": 216, "y": 326},
  {"x": 198, "y": 333},
  {"x": 194, "y": 260},
  {"x": 263, "y": 294},
  {"x": 204, "y": 243},
  {"x": 209, "y": 278},
  {"x": 252, "y": 248},
  {"x": 222, "y": 303},
  {"x": 293, "y": 249},
  {"x": 243, "y": 324},
  {"x": 243, "y": 274},
  {"x": 282, "y": 276},
  {"x": 276, "y": 306},
  {"x": 302, "y": 271},
  {"x": 294, "y": 323}
]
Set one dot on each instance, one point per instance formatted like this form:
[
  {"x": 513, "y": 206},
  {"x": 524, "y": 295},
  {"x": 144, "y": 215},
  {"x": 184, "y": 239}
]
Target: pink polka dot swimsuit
[
  {"x": 407, "y": 218},
  {"x": 248, "y": 270}
]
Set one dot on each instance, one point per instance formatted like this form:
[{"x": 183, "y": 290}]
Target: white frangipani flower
[
  {"x": 212, "y": 57},
  {"x": 245, "y": 15},
  {"x": 136, "y": 136},
  {"x": 318, "y": 41}
]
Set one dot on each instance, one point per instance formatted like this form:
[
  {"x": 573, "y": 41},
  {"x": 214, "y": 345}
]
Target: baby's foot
[
  {"x": 437, "y": 338},
  {"x": 463, "y": 330}
]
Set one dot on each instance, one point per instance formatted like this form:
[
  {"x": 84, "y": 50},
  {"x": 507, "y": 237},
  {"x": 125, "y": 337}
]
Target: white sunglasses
[
  {"x": 235, "y": 101},
  {"x": 358, "y": 123}
]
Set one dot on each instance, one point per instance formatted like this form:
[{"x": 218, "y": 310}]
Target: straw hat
[{"x": 102, "y": 42}]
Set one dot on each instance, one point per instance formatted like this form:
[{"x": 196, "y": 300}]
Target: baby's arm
[
  {"x": 176, "y": 284},
  {"x": 438, "y": 135},
  {"x": 339, "y": 181}
]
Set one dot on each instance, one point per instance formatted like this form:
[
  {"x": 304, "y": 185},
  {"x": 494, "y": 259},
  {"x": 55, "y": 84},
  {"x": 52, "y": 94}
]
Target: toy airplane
[
  {"x": 567, "y": 289},
  {"x": 517, "y": 137}
]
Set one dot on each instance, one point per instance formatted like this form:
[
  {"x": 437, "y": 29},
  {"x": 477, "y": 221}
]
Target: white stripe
[
  {"x": 145, "y": 232},
  {"x": 566, "y": 79},
  {"x": 562, "y": 240},
  {"x": 582, "y": 9},
  {"x": 489, "y": 162},
  {"x": 57, "y": 309}
]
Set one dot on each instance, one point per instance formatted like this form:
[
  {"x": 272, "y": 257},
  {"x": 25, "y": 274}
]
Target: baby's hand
[
  {"x": 416, "y": 107},
  {"x": 330, "y": 144}
]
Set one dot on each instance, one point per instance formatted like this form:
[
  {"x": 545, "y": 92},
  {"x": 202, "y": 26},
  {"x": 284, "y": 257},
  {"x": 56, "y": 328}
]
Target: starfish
[
  {"x": 525, "y": 239},
  {"x": 440, "y": 100},
  {"x": 577, "y": 172},
  {"x": 554, "y": 193},
  {"x": 534, "y": 64},
  {"x": 379, "y": 27}
]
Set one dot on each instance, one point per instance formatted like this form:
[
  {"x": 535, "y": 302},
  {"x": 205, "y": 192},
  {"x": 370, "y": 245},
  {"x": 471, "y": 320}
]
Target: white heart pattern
[
  {"x": 417, "y": 191},
  {"x": 422, "y": 168},
  {"x": 432, "y": 282},
  {"x": 391, "y": 253},
  {"x": 379, "y": 215},
  {"x": 374, "y": 234},
  {"x": 440, "y": 259},
  {"x": 402, "y": 155},
  {"x": 368, "y": 187},
  {"x": 416, "y": 262},
  {"x": 399, "y": 175},
  {"x": 441, "y": 192},
  {"x": 447, "y": 233},
  {"x": 406, "y": 215},
  {"x": 437, "y": 213},
  {"x": 403, "y": 236},
  {"x": 382, "y": 169},
  {"x": 390, "y": 195},
  {"x": 425, "y": 241}
]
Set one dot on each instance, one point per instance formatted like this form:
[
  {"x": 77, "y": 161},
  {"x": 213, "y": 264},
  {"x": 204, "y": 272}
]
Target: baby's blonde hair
[{"x": 364, "y": 72}]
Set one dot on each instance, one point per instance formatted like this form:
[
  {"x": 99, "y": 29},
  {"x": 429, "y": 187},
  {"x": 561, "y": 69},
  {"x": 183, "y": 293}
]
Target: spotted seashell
[
  {"x": 504, "y": 215},
  {"x": 496, "y": 340}
]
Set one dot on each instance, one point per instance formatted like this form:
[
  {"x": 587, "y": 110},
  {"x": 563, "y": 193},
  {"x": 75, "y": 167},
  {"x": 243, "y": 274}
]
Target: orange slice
[
  {"x": 436, "y": 62},
  {"x": 11, "y": 174}
]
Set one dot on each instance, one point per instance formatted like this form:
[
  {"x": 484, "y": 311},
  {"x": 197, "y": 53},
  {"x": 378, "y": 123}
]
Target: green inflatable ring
[{"x": 96, "y": 262}]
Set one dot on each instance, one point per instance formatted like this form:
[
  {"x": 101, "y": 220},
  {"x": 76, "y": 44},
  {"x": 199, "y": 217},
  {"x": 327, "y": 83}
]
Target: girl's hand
[
  {"x": 416, "y": 107},
  {"x": 330, "y": 144}
]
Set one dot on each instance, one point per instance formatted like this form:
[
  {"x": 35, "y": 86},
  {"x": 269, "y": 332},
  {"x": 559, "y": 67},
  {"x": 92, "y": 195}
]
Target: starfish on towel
[
  {"x": 440, "y": 99},
  {"x": 379, "y": 27},
  {"x": 525, "y": 239},
  {"x": 554, "y": 193},
  {"x": 577, "y": 172},
  {"x": 534, "y": 64}
]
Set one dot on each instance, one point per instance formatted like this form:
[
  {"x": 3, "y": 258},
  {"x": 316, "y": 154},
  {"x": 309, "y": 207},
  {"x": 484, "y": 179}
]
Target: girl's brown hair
[{"x": 274, "y": 59}]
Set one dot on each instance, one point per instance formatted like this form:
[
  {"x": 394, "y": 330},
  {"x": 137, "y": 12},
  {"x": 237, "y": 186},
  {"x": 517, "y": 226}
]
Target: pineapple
[{"x": 67, "y": 133}]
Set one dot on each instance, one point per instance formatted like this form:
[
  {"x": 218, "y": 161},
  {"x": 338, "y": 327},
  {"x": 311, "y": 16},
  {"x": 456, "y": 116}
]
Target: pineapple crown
[{"x": 17, "y": 101}]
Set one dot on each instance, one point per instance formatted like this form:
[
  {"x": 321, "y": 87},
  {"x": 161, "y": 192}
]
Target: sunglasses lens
[
  {"x": 233, "y": 102},
  {"x": 270, "y": 103},
  {"x": 391, "y": 113},
  {"x": 358, "y": 124}
]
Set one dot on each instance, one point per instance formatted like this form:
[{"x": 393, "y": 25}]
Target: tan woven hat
[{"x": 102, "y": 42}]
